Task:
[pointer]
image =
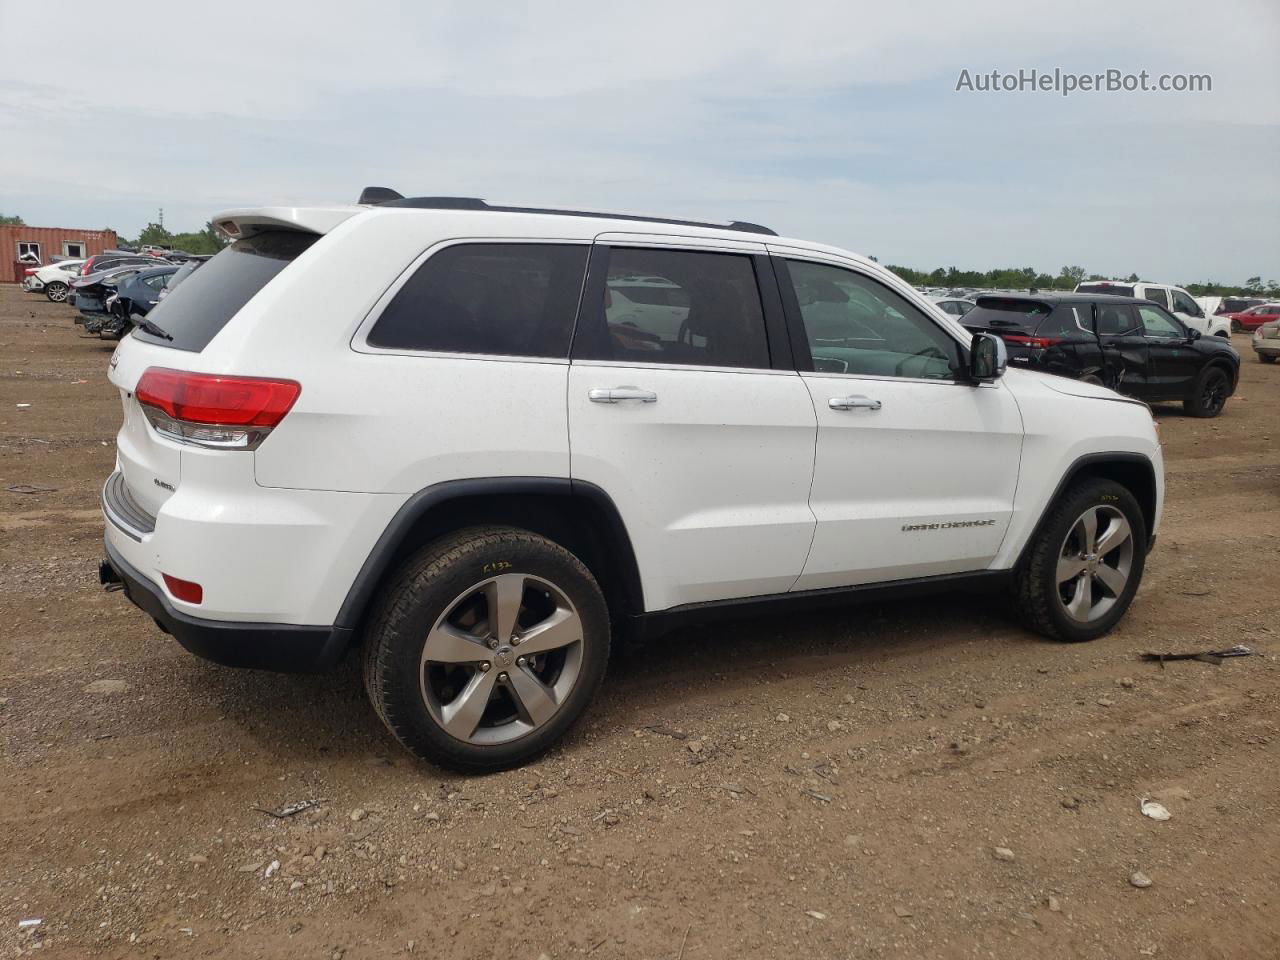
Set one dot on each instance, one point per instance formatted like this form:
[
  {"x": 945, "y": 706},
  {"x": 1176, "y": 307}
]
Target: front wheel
[
  {"x": 1209, "y": 394},
  {"x": 485, "y": 648},
  {"x": 1235, "y": 327},
  {"x": 1084, "y": 566},
  {"x": 57, "y": 291}
]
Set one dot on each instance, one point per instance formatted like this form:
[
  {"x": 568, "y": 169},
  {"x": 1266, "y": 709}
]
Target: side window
[
  {"x": 857, "y": 325},
  {"x": 1157, "y": 323},
  {"x": 1158, "y": 295},
  {"x": 1117, "y": 320},
  {"x": 680, "y": 307},
  {"x": 505, "y": 299},
  {"x": 156, "y": 283},
  {"x": 1182, "y": 303},
  {"x": 1068, "y": 321}
]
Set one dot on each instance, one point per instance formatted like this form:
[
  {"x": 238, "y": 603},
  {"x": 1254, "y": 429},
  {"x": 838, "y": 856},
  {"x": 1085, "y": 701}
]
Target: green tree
[
  {"x": 1253, "y": 285},
  {"x": 156, "y": 235},
  {"x": 11, "y": 221},
  {"x": 1070, "y": 276}
]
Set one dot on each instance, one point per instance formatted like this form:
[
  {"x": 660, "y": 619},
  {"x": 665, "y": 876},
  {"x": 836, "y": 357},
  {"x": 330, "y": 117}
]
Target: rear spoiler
[{"x": 237, "y": 224}]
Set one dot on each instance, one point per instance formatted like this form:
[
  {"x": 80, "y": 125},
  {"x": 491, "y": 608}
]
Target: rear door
[
  {"x": 1174, "y": 362},
  {"x": 1121, "y": 336},
  {"x": 916, "y": 468},
  {"x": 685, "y": 408}
]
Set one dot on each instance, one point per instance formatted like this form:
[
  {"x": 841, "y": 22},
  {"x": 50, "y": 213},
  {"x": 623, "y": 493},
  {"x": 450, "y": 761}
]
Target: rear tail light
[
  {"x": 1039, "y": 343},
  {"x": 230, "y": 413},
  {"x": 30, "y": 270},
  {"x": 184, "y": 590}
]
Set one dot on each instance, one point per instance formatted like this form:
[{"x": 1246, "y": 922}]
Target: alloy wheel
[
  {"x": 502, "y": 659},
  {"x": 1094, "y": 563},
  {"x": 58, "y": 292},
  {"x": 1213, "y": 396}
]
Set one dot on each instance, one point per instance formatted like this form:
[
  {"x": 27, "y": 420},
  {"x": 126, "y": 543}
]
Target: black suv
[{"x": 1126, "y": 343}]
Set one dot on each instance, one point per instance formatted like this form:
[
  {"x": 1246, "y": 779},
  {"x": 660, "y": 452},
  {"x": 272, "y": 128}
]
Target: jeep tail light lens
[
  {"x": 1038, "y": 343},
  {"x": 209, "y": 410},
  {"x": 184, "y": 590}
]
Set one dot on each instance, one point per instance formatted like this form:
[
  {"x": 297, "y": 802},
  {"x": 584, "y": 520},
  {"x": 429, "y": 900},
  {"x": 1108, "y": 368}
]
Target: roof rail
[{"x": 385, "y": 197}]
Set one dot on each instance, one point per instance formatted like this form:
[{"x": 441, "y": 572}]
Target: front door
[
  {"x": 1174, "y": 362},
  {"x": 916, "y": 468},
  {"x": 684, "y": 409}
]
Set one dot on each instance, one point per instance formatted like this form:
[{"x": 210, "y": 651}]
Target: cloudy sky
[{"x": 835, "y": 121}]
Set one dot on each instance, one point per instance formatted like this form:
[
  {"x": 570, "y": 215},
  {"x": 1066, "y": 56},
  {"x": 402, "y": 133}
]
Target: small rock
[
  {"x": 1139, "y": 880},
  {"x": 782, "y": 718},
  {"x": 271, "y": 870},
  {"x": 1071, "y": 803},
  {"x": 197, "y": 858},
  {"x": 1003, "y": 853},
  {"x": 980, "y": 704},
  {"x": 1127, "y": 682},
  {"x": 902, "y": 911},
  {"x": 107, "y": 687},
  {"x": 1042, "y": 669},
  {"x": 359, "y": 814},
  {"x": 1156, "y": 811},
  {"x": 433, "y": 816},
  {"x": 834, "y": 725},
  {"x": 695, "y": 746},
  {"x": 297, "y": 885},
  {"x": 1104, "y": 702},
  {"x": 853, "y": 840},
  {"x": 250, "y": 867},
  {"x": 1055, "y": 905},
  {"x": 816, "y": 914}
]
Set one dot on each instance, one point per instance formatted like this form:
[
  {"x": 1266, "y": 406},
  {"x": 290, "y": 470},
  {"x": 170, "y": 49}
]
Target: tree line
[{"x": 1024, "y": 278}]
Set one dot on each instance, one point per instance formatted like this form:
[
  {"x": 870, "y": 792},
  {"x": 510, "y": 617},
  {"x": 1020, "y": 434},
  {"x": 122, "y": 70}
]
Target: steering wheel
[{"x": 929, "y": 351}]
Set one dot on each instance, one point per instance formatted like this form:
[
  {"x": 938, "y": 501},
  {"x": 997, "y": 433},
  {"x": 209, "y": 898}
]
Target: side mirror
[
  {"x": 988, "y": 358},
  {"x": 1193, "y": 333}
]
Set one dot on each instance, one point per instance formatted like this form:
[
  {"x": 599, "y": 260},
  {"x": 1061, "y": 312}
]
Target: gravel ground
[{"x": 914, "y": 779}]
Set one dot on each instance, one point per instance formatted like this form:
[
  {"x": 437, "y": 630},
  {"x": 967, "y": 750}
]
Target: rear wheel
[
  {"x": 1235, "y": 327},
  {"x": 1209, "y": 394},
  {"x": 56, "y": 291},
  {"x": 1083, "y": 569},
  {"x": 1267, "y": 357},
  {"x": 485, "y": 648}
]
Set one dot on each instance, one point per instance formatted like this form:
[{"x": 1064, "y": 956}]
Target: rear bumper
[
  {"x": 1268, "y": 346},
  {"x": 264, "y": 646}
]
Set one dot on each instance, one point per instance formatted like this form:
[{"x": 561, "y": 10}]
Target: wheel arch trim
[
  {"x": 1086, "y": 463},
  {"x": 378, "y": 563}
]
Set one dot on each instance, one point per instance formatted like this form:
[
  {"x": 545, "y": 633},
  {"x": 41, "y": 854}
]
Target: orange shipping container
[{"x": 46, "y": 243}]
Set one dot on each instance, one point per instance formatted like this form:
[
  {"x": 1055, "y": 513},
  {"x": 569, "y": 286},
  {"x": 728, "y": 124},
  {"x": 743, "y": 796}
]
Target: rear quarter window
[
  {"x": 1069, "y": 321},
  {"x": 197, "y": 310},
  {"x": 1110, "y": 289}
]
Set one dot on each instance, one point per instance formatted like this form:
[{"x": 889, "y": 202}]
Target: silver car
[{"x": 1266, "y": 341}]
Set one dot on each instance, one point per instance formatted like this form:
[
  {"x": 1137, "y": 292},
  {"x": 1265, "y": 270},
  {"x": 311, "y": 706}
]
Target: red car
[{"x": 1254, "y": 317}]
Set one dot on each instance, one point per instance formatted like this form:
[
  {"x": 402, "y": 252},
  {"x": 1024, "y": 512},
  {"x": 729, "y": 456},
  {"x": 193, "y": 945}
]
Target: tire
[
  {"x": 1223, "y": 334},
  {"x": 1266, "y": 358},
  {"x": 427, "y": 685},
  {"x": 1209, "y": 394},
  {"x": 1235, "y": 327},
  {"x": 56, "y": 291},
  {"x": 1055, "y": 570}
]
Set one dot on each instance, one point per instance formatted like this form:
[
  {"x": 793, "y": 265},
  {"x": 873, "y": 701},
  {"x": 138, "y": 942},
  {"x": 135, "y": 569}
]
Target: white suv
[
  {"x": 477, "y": 442},
  {"x": 1174, "y": 299}
]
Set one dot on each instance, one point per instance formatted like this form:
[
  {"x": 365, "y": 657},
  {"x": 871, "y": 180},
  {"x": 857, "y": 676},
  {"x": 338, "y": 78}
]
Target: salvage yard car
[
  {"x": 1266, "y": 341},
  {"x": 54, "y": 280},
  {"x": 1127, "y": 343},
  {"x": 1246, "y": 321},
  {"x": 425, "y": 429}
]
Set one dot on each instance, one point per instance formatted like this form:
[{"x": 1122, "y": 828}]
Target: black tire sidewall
[
  {"x": 1090, "y": 493},
  {"x": 417, "y": 602}
]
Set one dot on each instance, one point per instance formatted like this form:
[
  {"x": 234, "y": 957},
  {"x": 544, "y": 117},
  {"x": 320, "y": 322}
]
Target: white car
[
  {"x": 955, "y": 306},
  {"x": 1174, "y": 299},
  {"x": 53, "y": 279},
  {"x": 440, "y": 431}
]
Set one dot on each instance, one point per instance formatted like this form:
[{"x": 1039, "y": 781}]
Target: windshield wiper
[{"x": 152, "y": 328}]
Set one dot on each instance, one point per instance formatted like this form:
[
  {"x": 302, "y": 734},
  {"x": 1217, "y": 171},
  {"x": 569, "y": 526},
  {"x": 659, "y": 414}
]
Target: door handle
[
  {"x": 615, "y": 394},
  {"x": 854, "y": 402}
]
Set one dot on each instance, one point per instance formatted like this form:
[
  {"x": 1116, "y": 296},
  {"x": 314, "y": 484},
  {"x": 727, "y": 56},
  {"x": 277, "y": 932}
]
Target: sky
[{"x": 838, "y": 122}]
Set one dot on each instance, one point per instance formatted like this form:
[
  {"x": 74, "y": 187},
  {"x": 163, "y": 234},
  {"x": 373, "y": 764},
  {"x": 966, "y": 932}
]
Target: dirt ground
[{"x": 830, "y": 786}]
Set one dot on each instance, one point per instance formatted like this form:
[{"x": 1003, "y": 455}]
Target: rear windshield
[
  {"x": 194, "y": 312},
  {"x": 1230, "y": 305},
  {"x": 1001, "y": 314},
  {"x": 1111, "y": 289}
]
